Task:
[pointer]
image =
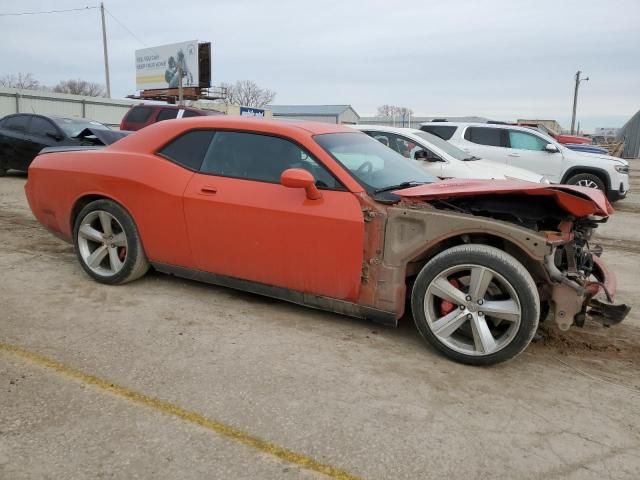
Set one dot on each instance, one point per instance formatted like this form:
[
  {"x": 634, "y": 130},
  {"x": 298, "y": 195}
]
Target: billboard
[
  {"x": 251, "y": 112},
  {"x": 158, "y": 67}
]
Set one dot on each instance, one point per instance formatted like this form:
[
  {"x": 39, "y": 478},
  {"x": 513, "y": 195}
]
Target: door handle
[
  {"x": 208, "y": 190},
  {"x": 514, "y": 154}
]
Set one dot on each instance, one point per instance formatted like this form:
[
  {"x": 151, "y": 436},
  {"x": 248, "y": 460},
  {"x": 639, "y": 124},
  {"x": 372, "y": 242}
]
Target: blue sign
[{"x": 251, "y": 112}]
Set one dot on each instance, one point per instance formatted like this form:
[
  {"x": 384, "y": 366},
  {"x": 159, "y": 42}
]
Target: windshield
[
  {"x": 375, "y": 166},
  {"x": 445, "y": 146},
  {"x": 73, "y": 126}
]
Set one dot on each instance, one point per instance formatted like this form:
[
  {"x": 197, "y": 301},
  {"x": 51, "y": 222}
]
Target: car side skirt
[{"x": 305, "y": 299}]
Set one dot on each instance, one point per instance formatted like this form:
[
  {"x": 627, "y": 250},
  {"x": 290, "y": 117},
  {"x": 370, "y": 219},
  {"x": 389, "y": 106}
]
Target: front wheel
[
  {"x": 587, "y": 180},
  {"x": 476, "y": 304},
  {"x": 108, "y": 245}
]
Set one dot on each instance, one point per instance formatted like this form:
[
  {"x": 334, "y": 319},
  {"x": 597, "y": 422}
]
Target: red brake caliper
[{"x": 446, "y": 306}]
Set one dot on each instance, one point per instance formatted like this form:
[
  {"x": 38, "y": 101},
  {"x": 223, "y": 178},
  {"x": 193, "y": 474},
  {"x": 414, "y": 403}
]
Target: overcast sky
[{"x": 497, "y": 58}]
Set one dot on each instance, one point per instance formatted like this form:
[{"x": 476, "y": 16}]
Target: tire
[
  {"x": 485, "y": 278},
  {"x": 108, "y": 245},
  {"x": 3, "y": 171},
  {"x": 587, "y": 180}
]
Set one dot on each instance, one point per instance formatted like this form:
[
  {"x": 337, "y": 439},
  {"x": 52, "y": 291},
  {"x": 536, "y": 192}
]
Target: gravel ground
[{"x": 356, "y": 397}]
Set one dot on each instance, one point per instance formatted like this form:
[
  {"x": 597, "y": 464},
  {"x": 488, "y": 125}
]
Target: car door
[
  {"x": 42, "y": 133},
  {"x": 407, "y": 148},
  {"x": 243, "y": 223},
  {"x": 486, "y": 142},
  {"x": 14, "y": 144},
  {"x": 528, "y": 151}
]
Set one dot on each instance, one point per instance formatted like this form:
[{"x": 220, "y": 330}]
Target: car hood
[
  {"x": 577, "y": 201},
  {"x": 602, "y": 157},
  {"x": 106, "y": 137}
]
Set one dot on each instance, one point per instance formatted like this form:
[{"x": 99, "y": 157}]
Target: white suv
[
  {"x": 442, "y": 159},
  {"x": 526, "y": 148}
]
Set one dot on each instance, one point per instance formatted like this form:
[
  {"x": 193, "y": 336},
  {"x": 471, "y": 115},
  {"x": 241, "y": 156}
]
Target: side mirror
[
  {"x": 299, "y": 178},
  {"x": 56, "y": 136},
  {"x": 421, "y": 155},
  {"x": 427, "y": 156},
  {"x": 551, "y": 148}
]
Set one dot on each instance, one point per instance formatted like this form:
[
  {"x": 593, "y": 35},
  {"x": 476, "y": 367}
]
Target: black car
[{"x": 23, "y": 135}]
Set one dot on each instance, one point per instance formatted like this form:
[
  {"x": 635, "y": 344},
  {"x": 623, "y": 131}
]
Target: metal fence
[{"x": 102, "y": 110}]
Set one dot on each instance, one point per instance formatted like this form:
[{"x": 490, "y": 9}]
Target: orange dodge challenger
[{"x": 326, "y": 217}]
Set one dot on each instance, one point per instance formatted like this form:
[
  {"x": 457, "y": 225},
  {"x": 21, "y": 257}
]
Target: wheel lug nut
[
  {"x": 480, "y": 302},
  {"x": 481, "y": 314},
  {"x": 462, "y": 307},
  {"x": 469, "y": 316},
  {"x": 468, "y": 298}
]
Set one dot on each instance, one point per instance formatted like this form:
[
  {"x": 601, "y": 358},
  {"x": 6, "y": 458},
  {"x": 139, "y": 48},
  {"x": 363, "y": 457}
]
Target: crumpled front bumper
[
  {"x": 574, "y": 303},
  {"x": 602, "y": 295}
]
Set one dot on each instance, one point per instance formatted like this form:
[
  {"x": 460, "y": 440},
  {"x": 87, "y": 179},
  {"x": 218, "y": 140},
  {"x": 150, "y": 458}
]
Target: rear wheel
[
  {"x": 587, "y": 180},
  {"x": 476, "y": 304},
  {"x": 108, "y": 245}
]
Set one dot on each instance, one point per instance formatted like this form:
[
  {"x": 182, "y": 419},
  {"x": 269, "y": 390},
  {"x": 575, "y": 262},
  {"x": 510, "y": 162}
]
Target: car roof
[
  {"x": 501, "y": 126},
  {"x": 159, "y": 133},
  {"x": 385, "y": 128}
]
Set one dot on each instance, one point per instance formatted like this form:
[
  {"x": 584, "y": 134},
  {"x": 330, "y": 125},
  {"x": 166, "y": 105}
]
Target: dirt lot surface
[{"x": 166, "y": 378}]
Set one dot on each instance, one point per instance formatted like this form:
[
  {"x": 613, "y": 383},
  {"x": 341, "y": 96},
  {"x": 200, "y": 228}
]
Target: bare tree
[
  {"x": 23, "y": 81},
  {"x": 80, "y": 87},
  {"x": 402, "y": 114},
  {"x": 247, "y": 93}
]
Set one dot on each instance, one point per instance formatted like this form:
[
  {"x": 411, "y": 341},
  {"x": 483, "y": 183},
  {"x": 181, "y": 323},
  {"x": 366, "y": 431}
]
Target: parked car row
[
  {"x": 532, "y": 150},
  {"x": 336, "y": 219},
  {"x": 23, "y": 136}
]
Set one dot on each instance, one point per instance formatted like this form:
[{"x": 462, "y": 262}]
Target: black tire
[
  {"x": 135, "y": 264},
  {"x": 3, "y": 171},
  {"x": 588, "y": 178},
  {"x": 510, "y": 270}
]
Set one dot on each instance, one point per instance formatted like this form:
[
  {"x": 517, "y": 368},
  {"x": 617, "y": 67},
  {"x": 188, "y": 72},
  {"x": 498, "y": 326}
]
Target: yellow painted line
[{"x": 216, "y": 426}]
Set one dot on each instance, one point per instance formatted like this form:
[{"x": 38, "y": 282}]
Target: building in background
[
  {"x": 318, "y": 113},
  {"x": 630, "y": 134},
  {"x": 552, "y": 125},
  {"x": 414, "y": 122}
]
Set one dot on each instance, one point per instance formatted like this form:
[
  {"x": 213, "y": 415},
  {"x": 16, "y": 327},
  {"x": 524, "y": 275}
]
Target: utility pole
[
  {"x": 180, "y": 89},
  {"x": 575, "y": 99},
  {"x": 106, "y": 55}
]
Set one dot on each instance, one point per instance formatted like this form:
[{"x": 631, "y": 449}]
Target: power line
[
  {"x": 125, "y": 27},
  {"x": 47, "y": 11}
]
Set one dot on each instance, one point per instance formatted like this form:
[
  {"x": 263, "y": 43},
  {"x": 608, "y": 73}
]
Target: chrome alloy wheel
[
  {"x": 102, "y": 243},
  {"x": 587, "y": 183},
  {"x": 472, "y": 309}
]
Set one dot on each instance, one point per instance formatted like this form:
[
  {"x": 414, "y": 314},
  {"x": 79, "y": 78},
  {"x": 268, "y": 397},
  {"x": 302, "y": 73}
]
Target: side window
[
  {"x": 445, "y": 132},
  {"x": 526, "y": 141},
  {"x": 484, "y": 136},
  {"x": 261, "y": 157},
  {"x": 189, "y": 149},
  {"x": 190, "y": 113},
  {"x": 139, "y": 114},
  {"x": 19, "y": 123},
  {"x": 167, "y": 114},
  {"x": 42, "y": 126}
]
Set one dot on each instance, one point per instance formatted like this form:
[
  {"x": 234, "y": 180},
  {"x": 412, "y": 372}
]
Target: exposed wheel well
[
  {"x": 83, "y": 202},
  {"x": 601, "y": 174},
  {"x": 535, "y": 268}
]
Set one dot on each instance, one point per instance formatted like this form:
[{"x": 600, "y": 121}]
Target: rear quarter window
[
  {"x": 167, "y": 114},
  {"x": 443, "y": 131},
  {"x": 188, "y": 149},
  {"x": 484, "y": 136},
  {"x": 19, "y": 123},
  {"x": 139, "y": 114}
]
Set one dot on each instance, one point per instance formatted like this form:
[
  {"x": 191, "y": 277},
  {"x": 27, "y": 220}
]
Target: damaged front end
[
  {"x": 573, "y": 280},
  {"x": 583, "y": 287}
]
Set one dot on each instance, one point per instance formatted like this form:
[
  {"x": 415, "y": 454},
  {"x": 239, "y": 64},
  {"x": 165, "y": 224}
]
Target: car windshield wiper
[
  {"x": 470, "y": 159},
  {"x": 412, "y": 183}
]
